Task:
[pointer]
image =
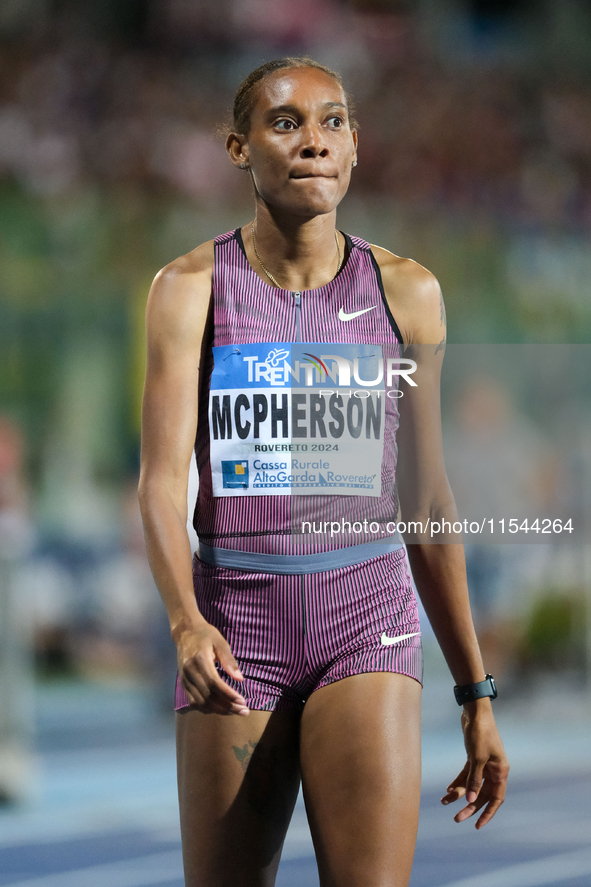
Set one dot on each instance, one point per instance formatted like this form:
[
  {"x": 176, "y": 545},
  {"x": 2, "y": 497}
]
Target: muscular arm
[
  {"x": 439, "y": 570},
  {"x": 176, "y": 317}
]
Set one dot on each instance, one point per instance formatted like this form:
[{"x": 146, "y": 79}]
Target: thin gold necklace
[{"x": 268, "y": 273}]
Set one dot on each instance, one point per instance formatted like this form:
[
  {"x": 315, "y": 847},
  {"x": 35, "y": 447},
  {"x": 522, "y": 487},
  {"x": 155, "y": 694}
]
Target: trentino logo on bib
[{"x": 300, "y": 418}]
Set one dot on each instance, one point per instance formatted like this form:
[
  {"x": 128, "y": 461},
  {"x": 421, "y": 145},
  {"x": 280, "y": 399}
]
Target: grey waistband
[{"x": 296, "y": 563}]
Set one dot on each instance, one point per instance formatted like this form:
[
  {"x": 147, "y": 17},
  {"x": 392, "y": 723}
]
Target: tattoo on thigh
[
  {"x": 264, "y": 782},
  {"x": 244, "y": 754}
]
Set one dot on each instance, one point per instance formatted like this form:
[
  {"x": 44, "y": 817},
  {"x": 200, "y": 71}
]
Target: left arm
[{"x": 439, "y": 569}]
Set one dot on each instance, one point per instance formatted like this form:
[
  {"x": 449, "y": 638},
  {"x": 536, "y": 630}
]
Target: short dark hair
[{"x": 245, "y": 95}]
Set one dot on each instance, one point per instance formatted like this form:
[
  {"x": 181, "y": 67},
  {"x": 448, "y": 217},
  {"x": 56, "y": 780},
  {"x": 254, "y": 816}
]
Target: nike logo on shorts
[
  {"x": 386, "y": 641},
  {"x": 345, "y": 317}
]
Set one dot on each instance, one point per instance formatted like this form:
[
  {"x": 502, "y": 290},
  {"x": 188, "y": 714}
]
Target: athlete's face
[{"x": 300, "y": 147}]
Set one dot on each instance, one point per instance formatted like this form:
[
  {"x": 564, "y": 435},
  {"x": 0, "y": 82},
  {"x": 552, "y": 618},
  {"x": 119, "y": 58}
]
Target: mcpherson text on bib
[{"x": 299, "y": 418}]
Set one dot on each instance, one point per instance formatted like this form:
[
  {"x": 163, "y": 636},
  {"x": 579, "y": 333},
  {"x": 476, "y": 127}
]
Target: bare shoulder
[
  {"x": 405, "y": 274},
  {"x": 180, "y": 293},
  {"x": 188, "y": 275},
  {"x": 414, "y": 296}
]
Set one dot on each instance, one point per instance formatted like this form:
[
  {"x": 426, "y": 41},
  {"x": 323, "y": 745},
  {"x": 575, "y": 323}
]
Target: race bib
[{"x": 298, "y": 418}]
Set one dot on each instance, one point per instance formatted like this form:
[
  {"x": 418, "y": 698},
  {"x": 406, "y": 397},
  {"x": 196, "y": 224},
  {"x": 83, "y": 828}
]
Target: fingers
[
  {"x": 491, "y": 794},
  {"x": 457, "y": 788},
  {"x": 489, "y": 811},
  {"x": 493, "y": 791},
  {"x": 468, "y": 811},
  {"x": 208, "y": 696},
  {"x": 483, "y": 779},
  {"x": 206, "y": 689},
  {"x": 210, "y": 703},
  {"x": 468, "y": 783},
  {"x": 227, "y": 661},
  {"x": 492, "y": 805},
  {"x": 198, "y": 653},
  {"x": 474, "y": 780}
]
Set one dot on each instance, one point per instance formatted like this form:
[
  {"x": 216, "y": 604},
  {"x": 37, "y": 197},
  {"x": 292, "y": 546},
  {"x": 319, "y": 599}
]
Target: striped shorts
[{"x": 292, "y": 634}]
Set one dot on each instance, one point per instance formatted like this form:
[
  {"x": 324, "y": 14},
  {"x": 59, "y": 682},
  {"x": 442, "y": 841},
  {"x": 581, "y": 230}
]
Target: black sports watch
[{"x": 470, "y": 692}]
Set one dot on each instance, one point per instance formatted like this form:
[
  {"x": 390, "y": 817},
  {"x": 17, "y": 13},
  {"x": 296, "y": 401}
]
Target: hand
[
  {"x": 483, "y": 779},
  {"x": 198, "y": 649}
]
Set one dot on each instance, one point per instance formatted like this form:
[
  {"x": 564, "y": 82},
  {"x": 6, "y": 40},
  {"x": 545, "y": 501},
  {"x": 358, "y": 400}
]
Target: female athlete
[{"x": 273, "y": 351}]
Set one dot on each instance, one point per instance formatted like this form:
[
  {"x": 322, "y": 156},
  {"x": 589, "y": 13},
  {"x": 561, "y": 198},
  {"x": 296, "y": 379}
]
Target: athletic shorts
[{"x": 293, "y": 634}]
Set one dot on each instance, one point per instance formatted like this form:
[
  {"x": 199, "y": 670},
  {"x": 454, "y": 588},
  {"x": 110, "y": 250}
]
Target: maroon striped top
[{"x": 248, "y": 310}]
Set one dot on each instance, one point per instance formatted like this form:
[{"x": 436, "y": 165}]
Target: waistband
[{"x": 293, "y": 564}]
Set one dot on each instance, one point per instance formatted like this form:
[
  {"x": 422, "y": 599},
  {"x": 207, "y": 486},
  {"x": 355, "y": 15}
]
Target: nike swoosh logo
[
  {"x": 386, "y": 641},
  {"x": 345, "y": 317}
]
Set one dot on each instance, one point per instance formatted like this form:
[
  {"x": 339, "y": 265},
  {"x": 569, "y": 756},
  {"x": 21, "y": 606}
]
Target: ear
[
  {"x": 237, "y": 148},
  {"x": 354, "y": 134}
]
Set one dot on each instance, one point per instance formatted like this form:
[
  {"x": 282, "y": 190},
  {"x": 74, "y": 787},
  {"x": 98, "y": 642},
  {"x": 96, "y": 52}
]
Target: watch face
[{"x": 493, "y": 686}]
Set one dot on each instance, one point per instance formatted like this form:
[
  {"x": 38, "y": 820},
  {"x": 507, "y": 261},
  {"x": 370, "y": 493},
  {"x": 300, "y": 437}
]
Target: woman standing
[{"x": 277, "y": 349}]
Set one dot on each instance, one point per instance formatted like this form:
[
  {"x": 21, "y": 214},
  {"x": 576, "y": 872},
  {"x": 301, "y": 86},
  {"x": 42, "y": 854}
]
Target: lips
[{"x": 312, "y": 175}]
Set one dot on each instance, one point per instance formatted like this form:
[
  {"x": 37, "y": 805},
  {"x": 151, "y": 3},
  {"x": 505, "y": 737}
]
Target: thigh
[
  {"x": 238, "y": 781},
  {"x": 360, "y": 760}
]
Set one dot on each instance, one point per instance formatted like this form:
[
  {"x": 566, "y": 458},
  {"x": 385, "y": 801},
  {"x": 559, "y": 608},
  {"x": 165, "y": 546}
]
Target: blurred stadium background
[{"x": 475, "y": 160}]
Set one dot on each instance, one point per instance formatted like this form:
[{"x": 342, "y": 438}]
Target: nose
[{"x": 313, "y": 142}]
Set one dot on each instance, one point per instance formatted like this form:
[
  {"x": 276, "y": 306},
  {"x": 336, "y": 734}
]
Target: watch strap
[{"x": 470, "y": 692}]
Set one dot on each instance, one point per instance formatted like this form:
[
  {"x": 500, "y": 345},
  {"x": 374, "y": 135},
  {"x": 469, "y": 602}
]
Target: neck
[{"x": 300, "y": 254}]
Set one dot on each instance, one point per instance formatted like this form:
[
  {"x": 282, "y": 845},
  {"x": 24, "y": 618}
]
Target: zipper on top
[{"x": 297, "y": 298}]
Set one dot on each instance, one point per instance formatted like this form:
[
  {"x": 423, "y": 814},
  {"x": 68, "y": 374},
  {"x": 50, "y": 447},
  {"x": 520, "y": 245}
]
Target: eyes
[{"x": 288, "y": 124}]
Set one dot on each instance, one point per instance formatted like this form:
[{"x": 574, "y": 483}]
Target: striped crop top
[{"x": 298, "y": 410}]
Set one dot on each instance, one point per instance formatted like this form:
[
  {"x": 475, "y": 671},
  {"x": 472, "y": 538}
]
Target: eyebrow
[{"x": 292, "y": 109}]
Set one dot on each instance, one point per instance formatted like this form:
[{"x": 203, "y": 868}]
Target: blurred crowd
[
  {"x": 504, "y": 134},
  {"x": 474, "y": 159}
]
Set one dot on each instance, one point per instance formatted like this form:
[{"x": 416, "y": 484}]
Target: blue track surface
[{"x": 105, "y": 809}]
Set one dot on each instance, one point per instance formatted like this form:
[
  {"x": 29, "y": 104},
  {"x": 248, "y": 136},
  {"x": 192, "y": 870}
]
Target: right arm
[
  {"x": 439, "y": 569},
  {"x": 176, "y": 316}
]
